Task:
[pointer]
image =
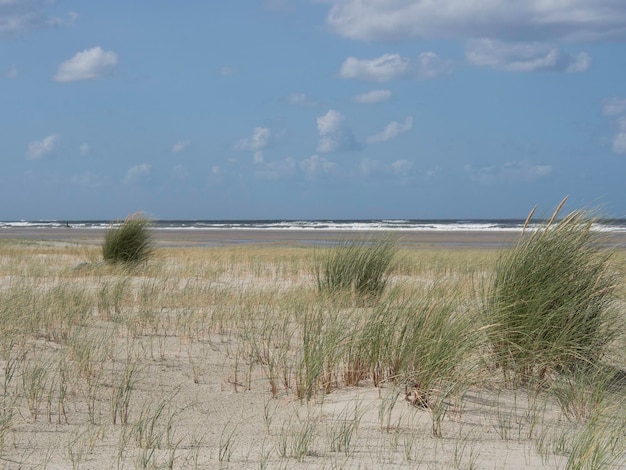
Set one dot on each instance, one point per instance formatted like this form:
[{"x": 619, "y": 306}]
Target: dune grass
[
  {"x": 551, "y": 301},
  {"x": 105, "y": 367},
  {"x": 361, "y": 267},
  {"x": 130, "y": 243}
]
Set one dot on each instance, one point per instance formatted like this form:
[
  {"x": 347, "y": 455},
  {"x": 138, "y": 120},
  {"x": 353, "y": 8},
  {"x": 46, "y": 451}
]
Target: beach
[
  {"x": 197, "y": 237},
  {"x": 229, "y": 357},
  {"x": 217, "y": 237}
]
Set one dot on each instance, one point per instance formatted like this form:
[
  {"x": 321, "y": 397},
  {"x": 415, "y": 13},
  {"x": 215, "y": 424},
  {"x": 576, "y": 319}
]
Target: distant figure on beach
[{"x": 67, "y": 224}]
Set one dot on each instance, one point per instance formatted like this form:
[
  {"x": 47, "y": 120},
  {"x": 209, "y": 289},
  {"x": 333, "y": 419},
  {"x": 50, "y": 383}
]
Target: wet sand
[
  {"x": 213, "y": 237},
  {"x": 217, "y": 237}
]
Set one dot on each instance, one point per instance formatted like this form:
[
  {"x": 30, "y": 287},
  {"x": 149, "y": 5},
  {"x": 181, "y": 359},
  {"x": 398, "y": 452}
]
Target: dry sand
[{"x": 221, "y": 416}]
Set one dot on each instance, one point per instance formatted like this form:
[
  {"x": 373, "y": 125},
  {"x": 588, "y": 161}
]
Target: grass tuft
[
  {"x": 551, "y": 299},
  {"x": 361, "y": 267},
  {"x": 130, "y": 243}
]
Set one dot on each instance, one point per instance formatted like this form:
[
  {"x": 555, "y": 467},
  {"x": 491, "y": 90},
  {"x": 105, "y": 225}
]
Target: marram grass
[
  {"x": 551, "y": 300},
  {"x": 105, "y": 367},
  {"x": 130, "y": 243},
  {"x": 361, "y": 267}
]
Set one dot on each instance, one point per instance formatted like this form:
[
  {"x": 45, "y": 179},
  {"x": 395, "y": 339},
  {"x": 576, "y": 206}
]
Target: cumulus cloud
[
  {"x": 261, "y": 138},
  {"x": 393, "y": 130},
  {"x": 28, "y": 15},
  {"x": 509, "y": 172},
  {"x": 373, "y": 96},
  {"x": 40, "y": 148},
  {"x": 525, "y": 21},
  {"x": 137, "y": 173},
  {"x": 87, "y": 65},
  {"x": 430, "y": 65},
  {"x": 84, "y": 149},
  {"x": 316, "y": 166},
  {"x": 619, "y": 142},
  {"x": 381, "y": 69},
  {"x": 181, "y": 146},
  {"x": 393, "y": 66},
  {"x": 334, "y": 135},
  {"x": 524, "y": 57},
  {"x": 614, "y": 106}
]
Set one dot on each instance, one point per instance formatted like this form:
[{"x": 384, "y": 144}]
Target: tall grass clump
[
  {"x": 425, "y": 344},
  {"x": 361, "y": 267},
  {"x": 550, "y": 301},
  {"x": 130, "y": 243}
]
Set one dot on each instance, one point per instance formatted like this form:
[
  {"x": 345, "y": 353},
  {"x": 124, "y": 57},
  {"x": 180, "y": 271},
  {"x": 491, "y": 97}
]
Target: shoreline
[{"x": 221, "y": 237}]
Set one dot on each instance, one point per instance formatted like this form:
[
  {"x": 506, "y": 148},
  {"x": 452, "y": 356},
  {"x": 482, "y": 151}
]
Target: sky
[{"x": 311, "y": 109}]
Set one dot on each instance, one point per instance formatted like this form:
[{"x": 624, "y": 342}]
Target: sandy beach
[
  {"x": 198, "y": 359},
  {"x": 216, "y": 237},
  {"x": 454, "y": 239}
]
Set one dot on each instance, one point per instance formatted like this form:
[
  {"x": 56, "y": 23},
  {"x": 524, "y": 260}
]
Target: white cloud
[
  {"x": 40, "y": 148},
  {"x": 393, "y": 66},
  {"x": 261, "y": 138},
  {"x": 11, "y": 72},
  {"x": 509, "y": 172},
  {"x": 619, "y": 142},
  {"x": 20, "y": 16},
  {"x": 137, "y": 173},
  {"x": 87, "y": 65},
  {"x": 613, "y": 106},
  {"x": 532, "y": 20},
  {"x": 524, "y": 57},
  {"x": 330, "y": 122},
  {"x": 334, "y": 134},
  {"x": 84, "y": 149},
  {"x": 316, "y": 166},
  {"x": 181, "y": 146},
  {"x": 393, "y": 130},
  {"x": 374, "y": 96},
  {"x": 382, "y": 69},
  {"x": 430, "y": 65}
]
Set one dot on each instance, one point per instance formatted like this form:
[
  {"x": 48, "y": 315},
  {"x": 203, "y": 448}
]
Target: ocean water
[{"x": 445, "y": 225}]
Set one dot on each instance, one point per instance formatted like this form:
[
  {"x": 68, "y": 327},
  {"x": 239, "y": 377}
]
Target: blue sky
[{"x": 311, "y": 108}]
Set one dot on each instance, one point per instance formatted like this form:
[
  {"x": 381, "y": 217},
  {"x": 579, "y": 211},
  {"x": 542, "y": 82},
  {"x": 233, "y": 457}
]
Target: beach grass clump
[
  {"x": 130, "y": 243},
  {"x": 424, "y": 344},
  {"x": 361, "y": 267},
  {"x": 550, "y": 301}
]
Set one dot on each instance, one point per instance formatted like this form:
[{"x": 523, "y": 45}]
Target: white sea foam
[{"x": 328, "y": 225}]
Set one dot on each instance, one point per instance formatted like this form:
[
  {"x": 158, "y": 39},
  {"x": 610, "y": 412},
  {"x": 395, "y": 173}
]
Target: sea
[{"x": 444, "y": 225}]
